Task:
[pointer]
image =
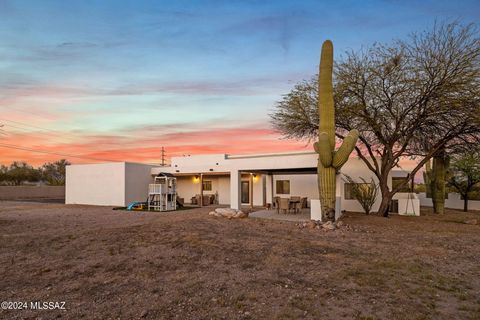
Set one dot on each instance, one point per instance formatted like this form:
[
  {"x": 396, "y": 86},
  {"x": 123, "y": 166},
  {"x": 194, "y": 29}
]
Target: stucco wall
[
  {"x": 454, "y": 201},
  {"x": 96, "y": 184},
  {"x": 356, "y": 168},
  {"x": 303, "y": 185},
  {"x": 137, "y": 178},
  {"x": 188, "y": 187},
  {"x": 306, "y": 185},
  {"x": 31, "y": 192},
  {"x": 224, "y": 190}
]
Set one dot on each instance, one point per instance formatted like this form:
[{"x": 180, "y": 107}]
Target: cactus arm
[
  {"x": 325, "y": 88},
  {"x": 342, "y": 154},
  {"x": 324, "y": 149}
]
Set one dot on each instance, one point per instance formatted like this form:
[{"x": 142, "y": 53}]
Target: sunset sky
[{"x": 117, "y": 80}]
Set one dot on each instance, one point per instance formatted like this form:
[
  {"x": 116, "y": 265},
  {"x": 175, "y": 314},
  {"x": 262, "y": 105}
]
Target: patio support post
[
  {"x": 235, "y": 180},
  {"x": 251, "y": 190},
  {"x": 269, "y": 188},
  {"x": 201, "y": 190}
]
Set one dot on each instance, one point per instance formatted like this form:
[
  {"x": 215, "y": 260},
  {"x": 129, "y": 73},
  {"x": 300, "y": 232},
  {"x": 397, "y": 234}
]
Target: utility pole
[{"x": 163, "y": 157}]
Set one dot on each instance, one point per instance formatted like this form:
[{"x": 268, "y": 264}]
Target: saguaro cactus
[
  {"x": 438, "y": 176},
  {"x": 329, "y": 160}
]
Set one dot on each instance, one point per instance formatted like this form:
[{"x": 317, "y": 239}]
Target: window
[
  {"x": 207, "y": 185},
  {"x": 348, "y": 189},
  {"x": 283, "y": 186},
  {"x": 398, "y": 180}
]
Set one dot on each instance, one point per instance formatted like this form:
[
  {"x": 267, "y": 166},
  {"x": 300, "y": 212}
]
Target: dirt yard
[{"x": 108, "y": 264}]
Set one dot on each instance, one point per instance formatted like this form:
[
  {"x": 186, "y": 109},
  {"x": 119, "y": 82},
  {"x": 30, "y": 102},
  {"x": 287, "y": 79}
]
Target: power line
[
  {"x": 36, "y": 127},
  {"x": 55, "y": 133},
  {"x": 11, "y": 146},
  {"x": 24, "y": 111}
]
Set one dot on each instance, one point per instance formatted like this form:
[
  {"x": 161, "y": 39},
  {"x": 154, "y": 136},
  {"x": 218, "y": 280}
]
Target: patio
[{"x": 303, "y": 215}]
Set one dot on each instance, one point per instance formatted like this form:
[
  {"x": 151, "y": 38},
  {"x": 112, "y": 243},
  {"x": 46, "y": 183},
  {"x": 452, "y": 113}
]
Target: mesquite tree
[
  {"x": 465, "y": 175},
  {"x": 398, "y": 96}
]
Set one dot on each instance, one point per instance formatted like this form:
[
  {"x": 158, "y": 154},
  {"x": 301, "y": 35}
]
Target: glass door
[{"x": 245, "y": 196}]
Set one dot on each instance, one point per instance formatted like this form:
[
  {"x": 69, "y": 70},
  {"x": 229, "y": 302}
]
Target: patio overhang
[{"x": 306, "y": 170}]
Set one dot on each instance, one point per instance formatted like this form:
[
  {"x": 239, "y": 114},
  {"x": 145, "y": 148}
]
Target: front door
[{"x": 245, "y": 192}]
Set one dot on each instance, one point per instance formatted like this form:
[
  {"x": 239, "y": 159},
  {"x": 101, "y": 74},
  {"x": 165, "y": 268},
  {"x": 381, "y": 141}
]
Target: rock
[
  {"x": 311, "y": 224},
  {"x": 144, "y": 314},
  {"x": 339, "y": 224},
  {"x": 328, "y": 225},
  {"x": 227, "y": 211},
  {"x": 471, "y": 221},
  {"x": 240, "y": 215}
]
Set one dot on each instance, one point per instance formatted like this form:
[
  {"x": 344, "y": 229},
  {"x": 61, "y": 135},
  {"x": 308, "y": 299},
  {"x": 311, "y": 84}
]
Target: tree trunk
[
  {"x": 465, "y": 202},
  {"x": 384, "y": 208},
  {"x": 386, "y": 198}
]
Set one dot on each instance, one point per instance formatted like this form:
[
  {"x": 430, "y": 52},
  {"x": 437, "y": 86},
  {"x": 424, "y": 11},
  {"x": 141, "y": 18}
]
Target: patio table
[{"x": 294, "y": 203}]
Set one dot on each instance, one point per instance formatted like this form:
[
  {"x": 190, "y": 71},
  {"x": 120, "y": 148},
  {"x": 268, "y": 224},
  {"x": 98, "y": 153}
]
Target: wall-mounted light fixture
[{"x": 196, "y": 179}]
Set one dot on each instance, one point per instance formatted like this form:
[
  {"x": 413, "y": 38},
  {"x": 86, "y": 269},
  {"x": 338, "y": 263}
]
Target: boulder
[
  {"x": 329, "y": 225},
  {"x": 228, "y": 213},
  {"x": 311, "y": 224},
  {"x": 471, "y": 221},
  {"x": 240, "y": 214}
]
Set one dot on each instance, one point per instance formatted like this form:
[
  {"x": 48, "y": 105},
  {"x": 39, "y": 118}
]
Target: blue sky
[{"x": 116, "y": 71}]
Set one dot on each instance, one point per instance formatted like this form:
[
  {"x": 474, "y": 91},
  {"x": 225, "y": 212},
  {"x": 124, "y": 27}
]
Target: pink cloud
[{"x": 147, "y": 149}]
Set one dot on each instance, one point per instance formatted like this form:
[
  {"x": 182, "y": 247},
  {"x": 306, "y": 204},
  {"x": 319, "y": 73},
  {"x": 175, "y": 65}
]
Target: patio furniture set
[
  {"x": 208, "y": 199},
  {"x": 294, "y": 204}
]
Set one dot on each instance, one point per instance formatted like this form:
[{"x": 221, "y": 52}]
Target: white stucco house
[{"x": 234, "y": 180}]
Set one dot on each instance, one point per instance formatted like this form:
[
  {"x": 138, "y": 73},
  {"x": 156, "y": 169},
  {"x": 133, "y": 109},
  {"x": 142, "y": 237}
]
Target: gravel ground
[{"x": 107, "y": 264}]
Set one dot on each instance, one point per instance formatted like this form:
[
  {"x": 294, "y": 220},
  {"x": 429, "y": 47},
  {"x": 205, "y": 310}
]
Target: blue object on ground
[{"x": 131, "y": 205}]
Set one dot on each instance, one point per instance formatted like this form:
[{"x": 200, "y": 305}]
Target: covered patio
[{"x": 303, "y": 215}]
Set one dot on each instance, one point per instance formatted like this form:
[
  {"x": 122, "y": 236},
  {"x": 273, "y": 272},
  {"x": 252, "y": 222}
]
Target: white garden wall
[
  {"x": 453, "y": 201},
  {"x": 107, "y": 184}
]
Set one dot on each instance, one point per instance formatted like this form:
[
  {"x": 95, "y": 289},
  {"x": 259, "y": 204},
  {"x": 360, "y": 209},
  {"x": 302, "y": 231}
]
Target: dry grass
[{"x": 114, "y": 264}]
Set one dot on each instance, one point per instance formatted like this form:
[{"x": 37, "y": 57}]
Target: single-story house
[{"x": 234, "y": 180}]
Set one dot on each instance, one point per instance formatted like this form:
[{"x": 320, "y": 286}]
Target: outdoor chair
[
  {"x": 275, "y": 203},
  {"x": 206, "y": 200},
  {"x": 283, "y": 204},
  {"x": 295, "y": 203},
  {"x": 193, "y": 200},
  {"x": 197, "y": 199},
  {"x": 303, "y": 203}
]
